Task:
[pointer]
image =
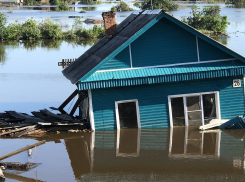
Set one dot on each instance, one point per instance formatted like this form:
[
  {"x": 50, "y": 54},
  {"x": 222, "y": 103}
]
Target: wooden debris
[
  {"x": 17, "y": 165},
  {"x": 36, "y": 132},
  {"x": 14, "y": 131},
  {"x": 22, "y": 149}
]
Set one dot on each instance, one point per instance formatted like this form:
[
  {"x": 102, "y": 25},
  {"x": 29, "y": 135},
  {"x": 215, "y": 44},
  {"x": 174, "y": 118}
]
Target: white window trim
[
  {"x": 118, "y": 144},
  {"x": 91, "y": 112},
  {"x": 216, "y": 93},
  {"x": 185, "y": 154},
  {"x": 117, "y": 112},
  {"x": 169, "y": 65}
]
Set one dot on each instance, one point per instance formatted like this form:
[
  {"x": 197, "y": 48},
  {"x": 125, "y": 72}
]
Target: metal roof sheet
[{"x": 160, "y": 75}]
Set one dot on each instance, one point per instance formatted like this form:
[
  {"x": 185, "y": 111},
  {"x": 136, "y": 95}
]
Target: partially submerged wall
[{"x": 153, "y": 101}]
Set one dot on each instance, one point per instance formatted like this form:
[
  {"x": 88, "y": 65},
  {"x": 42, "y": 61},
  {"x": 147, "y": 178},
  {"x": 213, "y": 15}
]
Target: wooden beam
[
  {"x": 61, "y": 108},
  {"x": 22, "y": 150},
  {"x": 76, "y": 105}
]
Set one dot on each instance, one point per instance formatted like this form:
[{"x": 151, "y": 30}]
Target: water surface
[{"x": 178, "y": 154}]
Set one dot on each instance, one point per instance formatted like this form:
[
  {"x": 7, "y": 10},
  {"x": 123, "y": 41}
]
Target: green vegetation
[
  {"x": 166, "y": 5},
  {"x": 121, "y": 6},
  {"x": 31, "y": 30},
  {"x": 207, "y": 20},
  {"x": 62, "y": 6},
  {"x": 236, "y": 2},
  {"x": 30, "y": 2},
  {"x": 54, "y": 2}
]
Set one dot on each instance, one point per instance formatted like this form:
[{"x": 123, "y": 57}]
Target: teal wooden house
[{"x": 154, "y": 71}]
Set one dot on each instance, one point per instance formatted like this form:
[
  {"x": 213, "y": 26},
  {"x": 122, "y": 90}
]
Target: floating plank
[
  {"x": 30, "y": 128},
  {"x": 13, "y": 131},
  {"x": 22, "y": 150},
  {"x": 18, "y": 165}
]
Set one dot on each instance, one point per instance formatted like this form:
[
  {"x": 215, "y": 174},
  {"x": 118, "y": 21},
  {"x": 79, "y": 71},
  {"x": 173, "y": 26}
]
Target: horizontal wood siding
[
  {"x": 122, "y": 60},
  {"x": 153, "y": 101},
  {"x": 209, "y": 52},
  {"x": 164, "y": 43}
]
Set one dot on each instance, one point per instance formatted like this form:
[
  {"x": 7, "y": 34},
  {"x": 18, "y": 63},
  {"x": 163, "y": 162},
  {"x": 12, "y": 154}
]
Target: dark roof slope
[{"x": 103, "y": 48}]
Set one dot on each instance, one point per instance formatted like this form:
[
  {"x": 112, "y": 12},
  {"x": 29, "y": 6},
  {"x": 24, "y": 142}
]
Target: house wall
[
  {"x": 165, "y": 43},
  {"x": 153, "y": 101}
]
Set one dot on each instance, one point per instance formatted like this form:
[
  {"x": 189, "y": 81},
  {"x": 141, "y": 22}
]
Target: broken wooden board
[
  {"x": 22, "y": 150},
  {"x": 63, "y": 117},
  {"x": 213, "y": 124}
]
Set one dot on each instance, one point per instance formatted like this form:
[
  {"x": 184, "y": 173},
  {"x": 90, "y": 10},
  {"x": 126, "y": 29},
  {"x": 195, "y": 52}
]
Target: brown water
[{"x": 178, "y": 154}]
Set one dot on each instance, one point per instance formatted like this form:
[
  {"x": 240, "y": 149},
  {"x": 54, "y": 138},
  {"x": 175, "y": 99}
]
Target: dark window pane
[
  {"x": 127, "y": 115},
  {"x": 178, "y": 111},
  {"x": 193, "y": 103},
  {"x": 209, "y": 107}
]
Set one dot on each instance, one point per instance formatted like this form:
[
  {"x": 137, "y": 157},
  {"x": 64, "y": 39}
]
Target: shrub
[
  {"x": 166, "y": 5},
  {"x": 30, "y": 30},
  {"x": 12, "y": 31},
  {"x": 82, "y": 11},
  {"x": 62, "y": 6},
  {"x": 207, "y": 19},
  {"x": 121, "y": 6},
  {"x": 50, "y": 30}
]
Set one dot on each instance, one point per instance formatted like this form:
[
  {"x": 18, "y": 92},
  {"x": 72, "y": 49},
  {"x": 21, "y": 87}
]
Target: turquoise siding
[
  {"x": 209, "y": 52},
  {"x": 122, "y": 60},
  {"x": 153, "y": 101},
  {"x": 164, "y": 43}
]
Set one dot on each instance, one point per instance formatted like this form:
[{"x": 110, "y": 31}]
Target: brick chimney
[{"x": 110, "y": 23}]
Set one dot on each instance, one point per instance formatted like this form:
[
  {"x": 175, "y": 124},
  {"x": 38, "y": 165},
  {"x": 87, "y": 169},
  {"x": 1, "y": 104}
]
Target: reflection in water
[
  {"x": 134, "y": 154},
  {"x": 174, "y": 154},
  {"x": 31, "y": 45},
  {"x": 196, "y": 144}
]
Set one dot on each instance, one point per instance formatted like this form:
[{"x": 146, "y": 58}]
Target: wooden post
[
  {"x": 61, "y": 108},
  {"x": 76, "y": 105},
  {"x": 22, "y": 150}
]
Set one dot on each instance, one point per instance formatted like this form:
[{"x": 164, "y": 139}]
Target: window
[
  {"x": 193, "y": 109},
  {"x": 127, "y": 114}
]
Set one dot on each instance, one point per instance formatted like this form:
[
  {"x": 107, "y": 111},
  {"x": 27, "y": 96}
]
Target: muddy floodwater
[
  {"x": 178, "y": 154},
  {"x": 30, "y": 80}
]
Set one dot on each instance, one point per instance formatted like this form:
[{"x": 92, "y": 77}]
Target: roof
[
  {"x": 128, "y": 31},
  {"x": 162, "y": 75},
  {"x": 104, "y": 47}
]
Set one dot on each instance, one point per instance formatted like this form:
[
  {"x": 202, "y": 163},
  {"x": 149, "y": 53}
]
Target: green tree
[
  {"x": 209, "y": 19},
  {"x": 62, "y": 6},
  {"x": 121, "y": 6},
  {"x": 166, "y": 5}
]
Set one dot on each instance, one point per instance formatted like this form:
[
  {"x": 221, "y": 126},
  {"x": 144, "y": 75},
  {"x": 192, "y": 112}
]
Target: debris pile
[{"x": 18, "y": 124}]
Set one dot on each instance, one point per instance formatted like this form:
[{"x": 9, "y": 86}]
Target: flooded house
[{"x": 154, "y": 71}]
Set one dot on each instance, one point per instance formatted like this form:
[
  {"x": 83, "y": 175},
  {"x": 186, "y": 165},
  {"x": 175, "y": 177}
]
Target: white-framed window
[
  {"x": 194, "y": 108},
  {"x": 127, "y": 114}
]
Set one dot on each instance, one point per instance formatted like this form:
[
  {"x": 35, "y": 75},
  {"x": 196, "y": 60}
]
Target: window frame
[
  {"x": 117, "y": 111},
  {"x": 184, "y": 96}
]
